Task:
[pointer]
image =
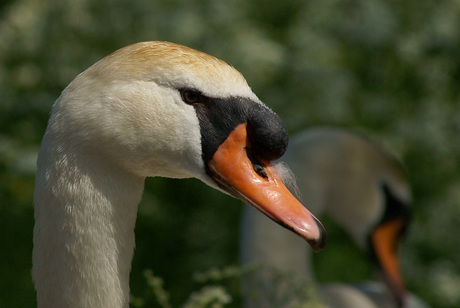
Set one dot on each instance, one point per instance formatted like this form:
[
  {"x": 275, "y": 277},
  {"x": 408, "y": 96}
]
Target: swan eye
[{"x": 190, "y": 96}]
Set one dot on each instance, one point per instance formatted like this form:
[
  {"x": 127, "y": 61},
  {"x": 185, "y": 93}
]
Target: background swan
[
  {"x": 149, "y": 109},
  {"x": 364, "y": 189}
]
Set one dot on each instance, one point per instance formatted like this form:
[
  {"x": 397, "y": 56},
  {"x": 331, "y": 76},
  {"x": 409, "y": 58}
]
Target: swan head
[
  {"x": 384, "y": 238},
  {"x": 162, "y": 109}
]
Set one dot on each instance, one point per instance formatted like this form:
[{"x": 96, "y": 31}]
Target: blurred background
[{"x": 386, "y": 68}]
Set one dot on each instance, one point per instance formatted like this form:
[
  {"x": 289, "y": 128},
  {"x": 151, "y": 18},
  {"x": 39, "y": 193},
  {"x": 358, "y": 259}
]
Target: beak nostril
[
  {"x": 256, "y": 164},
  {"x": 260, "y": 171}
]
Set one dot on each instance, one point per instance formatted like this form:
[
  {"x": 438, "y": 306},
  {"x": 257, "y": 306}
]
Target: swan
[
  {"x": 360, "y": 186},
  {"x": 148, "y": 109}
]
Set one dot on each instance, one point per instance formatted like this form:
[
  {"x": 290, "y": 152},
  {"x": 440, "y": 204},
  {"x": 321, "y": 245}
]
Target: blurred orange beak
[
  {"x": 258, "y": 184},
  {"x": 385, "y": 239}
]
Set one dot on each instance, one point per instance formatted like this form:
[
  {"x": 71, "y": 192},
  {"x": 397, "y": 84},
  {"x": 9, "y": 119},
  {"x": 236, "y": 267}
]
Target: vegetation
[{"x": 386, "y": 68}]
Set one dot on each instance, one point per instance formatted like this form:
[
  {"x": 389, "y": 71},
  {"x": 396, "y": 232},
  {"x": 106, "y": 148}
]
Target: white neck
[{"x": 85, "y": 213}]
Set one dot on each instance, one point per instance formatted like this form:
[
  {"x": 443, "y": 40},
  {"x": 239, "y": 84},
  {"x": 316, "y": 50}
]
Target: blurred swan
[{"x": 364, "y": 189}]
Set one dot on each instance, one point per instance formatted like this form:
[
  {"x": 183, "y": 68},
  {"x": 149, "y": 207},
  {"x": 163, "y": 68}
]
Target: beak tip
[{"x": 319, "y": 243}]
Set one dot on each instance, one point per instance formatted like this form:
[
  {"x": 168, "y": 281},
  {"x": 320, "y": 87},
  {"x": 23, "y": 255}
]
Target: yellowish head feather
[{"x": 172, "y": 65}]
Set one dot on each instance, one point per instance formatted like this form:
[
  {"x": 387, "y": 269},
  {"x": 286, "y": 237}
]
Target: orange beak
[
  {"x": 385, "y": 239},
  {"x": 263, "y": 189}
]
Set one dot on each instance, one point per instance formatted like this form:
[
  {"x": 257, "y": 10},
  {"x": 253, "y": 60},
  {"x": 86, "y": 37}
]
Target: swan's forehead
[{"x": 176, "y": 66}]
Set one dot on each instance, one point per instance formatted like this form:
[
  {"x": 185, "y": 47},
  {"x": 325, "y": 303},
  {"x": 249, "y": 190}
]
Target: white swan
[
  {"x": 149, "y": 109},
  {"x": 364, "y": 189}
]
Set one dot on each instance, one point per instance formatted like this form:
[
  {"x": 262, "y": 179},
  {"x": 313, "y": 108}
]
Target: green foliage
[
  {"x": 389, "y": 69},
  {"x": 221, "y": 288},
  {"x": 156, "y": 285},
  {"x": 209, "y": 296}
]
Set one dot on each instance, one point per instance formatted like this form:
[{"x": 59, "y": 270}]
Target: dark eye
[{"x": 190, "y": 96}]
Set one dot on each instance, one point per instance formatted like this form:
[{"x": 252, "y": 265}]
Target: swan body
[
  {"x": 149, "y": 109},
  {"x": 360, "y": 186}
]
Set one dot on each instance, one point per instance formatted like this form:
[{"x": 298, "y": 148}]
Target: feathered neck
[{"x": 85, "y": 212}]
